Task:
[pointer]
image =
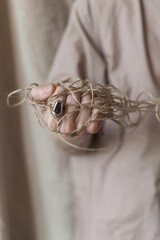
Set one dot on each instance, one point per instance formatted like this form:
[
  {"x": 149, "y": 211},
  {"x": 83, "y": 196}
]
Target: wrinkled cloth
[{"x": 116, "y": 192}]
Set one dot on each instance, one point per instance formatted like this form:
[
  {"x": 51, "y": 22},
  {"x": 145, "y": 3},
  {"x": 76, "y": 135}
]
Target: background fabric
[{"x": 34, "y": 181}]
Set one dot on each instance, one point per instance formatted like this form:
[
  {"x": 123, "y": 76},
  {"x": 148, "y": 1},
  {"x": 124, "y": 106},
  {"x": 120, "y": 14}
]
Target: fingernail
[{"x": 48, "y": 88}]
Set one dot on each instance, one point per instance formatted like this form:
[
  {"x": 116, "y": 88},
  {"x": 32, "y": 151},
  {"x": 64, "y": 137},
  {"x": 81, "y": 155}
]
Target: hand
[{"x": 72, "y": 121}]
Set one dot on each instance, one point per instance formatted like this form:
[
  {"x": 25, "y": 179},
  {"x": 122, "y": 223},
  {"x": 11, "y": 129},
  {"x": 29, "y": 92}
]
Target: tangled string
[{"x": 109, "y": 102}]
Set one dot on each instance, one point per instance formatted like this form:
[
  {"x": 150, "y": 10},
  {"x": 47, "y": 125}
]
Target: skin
[{"x": 42, "y": 92}]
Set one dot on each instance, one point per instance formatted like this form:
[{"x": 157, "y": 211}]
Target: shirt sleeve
[{"x": 79, "y": 53}]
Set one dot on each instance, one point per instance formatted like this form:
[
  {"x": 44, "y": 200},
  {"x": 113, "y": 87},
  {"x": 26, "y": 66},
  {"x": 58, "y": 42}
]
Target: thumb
[{"x": 42, "y": 92}]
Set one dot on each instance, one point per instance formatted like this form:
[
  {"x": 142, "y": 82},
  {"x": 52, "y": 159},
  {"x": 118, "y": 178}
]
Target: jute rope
[{"x": 109, "y": 102}]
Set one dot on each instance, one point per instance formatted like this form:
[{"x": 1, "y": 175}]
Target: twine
[{"x": 109, "y": 102}]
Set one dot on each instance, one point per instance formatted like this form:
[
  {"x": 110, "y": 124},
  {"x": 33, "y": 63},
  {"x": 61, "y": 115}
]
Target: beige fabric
[
  {"x": 34, "y": 182},
  {"x": 116, "y": 192}
]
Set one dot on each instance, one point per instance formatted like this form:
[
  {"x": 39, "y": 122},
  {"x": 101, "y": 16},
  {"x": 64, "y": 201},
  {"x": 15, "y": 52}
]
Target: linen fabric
[{"x": 116, "y": 192}]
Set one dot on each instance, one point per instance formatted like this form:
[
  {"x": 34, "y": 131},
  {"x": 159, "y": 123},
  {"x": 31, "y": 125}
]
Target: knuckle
[{"x": 73, "y": 99}]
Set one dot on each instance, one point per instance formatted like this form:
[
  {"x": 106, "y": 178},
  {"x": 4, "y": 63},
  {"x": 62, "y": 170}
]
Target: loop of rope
[{"x": 109, "y": 102}]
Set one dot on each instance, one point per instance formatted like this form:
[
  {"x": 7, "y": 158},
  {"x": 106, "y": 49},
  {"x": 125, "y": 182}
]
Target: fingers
[
  {"x": 42, "y": 92},
  {"x": 83, "y": 115},
  {"x": 69, "y": 123},
  {"x": 74, "y": 119},
  {"x": 96, "y": 124},
  {"x": 94, "y": 127},
  {"x": 50, "y": 121},
  {"x": 86, "y": 115}
]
